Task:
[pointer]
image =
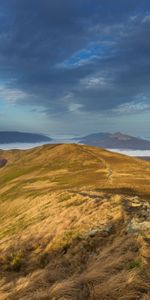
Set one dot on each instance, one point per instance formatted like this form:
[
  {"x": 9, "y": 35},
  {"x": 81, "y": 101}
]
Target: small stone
[
  {"x": 136, "y": 204},
  {"x": 108, "y": 228},
  {"x": 93, "y": 232},
  {"x": 137, "y": 227}
]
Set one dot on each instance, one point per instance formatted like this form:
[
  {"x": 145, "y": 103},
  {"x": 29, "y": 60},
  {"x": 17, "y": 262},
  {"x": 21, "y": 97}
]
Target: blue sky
[{"x": 75, "y": 67}]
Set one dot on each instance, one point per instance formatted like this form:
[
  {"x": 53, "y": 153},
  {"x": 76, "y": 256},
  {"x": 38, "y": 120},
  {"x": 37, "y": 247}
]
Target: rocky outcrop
[{"x": 137, "y": 215}]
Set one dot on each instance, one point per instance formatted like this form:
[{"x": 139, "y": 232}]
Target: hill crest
[{"x": 75, "y": 224}]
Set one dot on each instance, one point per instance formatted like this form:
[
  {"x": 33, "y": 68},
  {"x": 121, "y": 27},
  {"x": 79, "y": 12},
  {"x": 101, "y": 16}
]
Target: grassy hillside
[{"x": 74, "y": 225}]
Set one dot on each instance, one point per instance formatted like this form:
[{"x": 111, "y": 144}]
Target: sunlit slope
[
  {"x": 66, "y": 166},
  {"x": 74, "y": 224}
]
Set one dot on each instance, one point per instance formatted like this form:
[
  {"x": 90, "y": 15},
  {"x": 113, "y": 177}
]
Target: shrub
[
  {"x": 14, "y": 262},
  {"x": 134, "y": 264},
  {"x": 44, "y": 260}
]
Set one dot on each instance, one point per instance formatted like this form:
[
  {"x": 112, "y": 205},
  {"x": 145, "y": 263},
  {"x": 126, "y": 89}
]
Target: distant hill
[
  {"x": 7, "y": 137},
  {"x": 115, "y": 141}
]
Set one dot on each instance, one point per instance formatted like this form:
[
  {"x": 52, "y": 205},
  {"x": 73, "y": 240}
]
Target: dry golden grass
[{"x": 75, "y": 225}]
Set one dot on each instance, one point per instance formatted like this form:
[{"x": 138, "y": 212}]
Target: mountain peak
[
  {"x": 121, "y": 136},
  {"x": 116, "y": 140}
]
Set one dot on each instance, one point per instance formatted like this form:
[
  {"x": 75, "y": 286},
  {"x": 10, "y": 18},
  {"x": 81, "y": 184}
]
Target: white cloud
[
  {"x": 146, "y": 19},
  {"x": 11, "y": 95},
  {"x": 74, "y": 107},
  {"x": 92, "y": 82},
  {"x": 132, "y": 107},
  {"x": 134, "y": 18}
]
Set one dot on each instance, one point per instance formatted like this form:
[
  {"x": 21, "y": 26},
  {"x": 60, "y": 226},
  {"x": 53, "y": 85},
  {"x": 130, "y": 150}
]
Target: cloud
[
  {"x": 146, "y": 19},
  {"x": 75, "y": 56},
  {"x": 12, "y": 95},
  {"x": 133, "y": 107}
]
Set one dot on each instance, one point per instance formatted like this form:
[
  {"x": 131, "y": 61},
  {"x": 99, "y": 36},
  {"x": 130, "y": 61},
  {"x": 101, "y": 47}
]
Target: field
[{"x": 74, "y": 224}]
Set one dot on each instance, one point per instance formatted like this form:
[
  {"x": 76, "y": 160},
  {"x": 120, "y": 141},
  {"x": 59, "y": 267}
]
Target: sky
[{"x": 75, "y": 67}]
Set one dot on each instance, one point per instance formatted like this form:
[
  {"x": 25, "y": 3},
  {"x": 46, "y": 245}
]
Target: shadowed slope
[{"x": 75, "y": 224}]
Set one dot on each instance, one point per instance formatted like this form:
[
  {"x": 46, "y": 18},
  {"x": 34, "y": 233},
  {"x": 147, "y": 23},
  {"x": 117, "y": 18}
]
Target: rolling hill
[
  {"x": 74, "y": 224},
  {"x": 8, "y": 137},
  {"x": 115, "y": 141}
]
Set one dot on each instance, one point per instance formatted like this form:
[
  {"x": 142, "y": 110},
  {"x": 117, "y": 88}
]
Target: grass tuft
[{"x": 134, "y": 264}]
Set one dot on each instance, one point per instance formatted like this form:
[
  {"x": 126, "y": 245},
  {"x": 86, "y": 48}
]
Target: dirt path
[
  {"x": 107, "y": 166},
  {"x": 110, "y": 174}
]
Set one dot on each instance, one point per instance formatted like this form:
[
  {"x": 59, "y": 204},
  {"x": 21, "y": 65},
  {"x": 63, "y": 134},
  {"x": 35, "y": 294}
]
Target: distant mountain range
[
  {"x": 104, "y": 140},
  {"x": 8, "y": 137},
  {"x": 115, "y": 141}
]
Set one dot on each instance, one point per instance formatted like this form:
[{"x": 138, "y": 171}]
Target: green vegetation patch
[
  {"x": 14, "y": 261},
  {"x": 134, "y": 264}
]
